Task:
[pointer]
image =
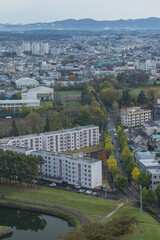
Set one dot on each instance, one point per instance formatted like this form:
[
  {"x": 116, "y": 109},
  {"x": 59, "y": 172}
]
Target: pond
[{"x": 31, "y": 225}]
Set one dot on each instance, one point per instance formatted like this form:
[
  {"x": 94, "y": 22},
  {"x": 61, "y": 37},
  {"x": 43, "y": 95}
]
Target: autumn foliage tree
[
  {"x": 109, "y": 148},
  {"x": 135, "y": 173},
  {"x": 112, "y": 166}
]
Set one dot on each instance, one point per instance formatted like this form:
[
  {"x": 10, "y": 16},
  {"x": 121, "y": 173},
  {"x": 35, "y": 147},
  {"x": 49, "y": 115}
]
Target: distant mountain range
[{"x": 88, "y": 24}]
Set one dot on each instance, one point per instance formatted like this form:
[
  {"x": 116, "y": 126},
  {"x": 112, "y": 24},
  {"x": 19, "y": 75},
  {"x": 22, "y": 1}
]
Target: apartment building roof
[
  {"x": 73, "y": 157},
  {"x": 71, "y": 130},
  {"x": 133, "y": 111}
]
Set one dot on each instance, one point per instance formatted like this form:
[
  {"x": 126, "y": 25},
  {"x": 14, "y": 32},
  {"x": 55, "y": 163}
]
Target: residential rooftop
[{"x": 73, "y": 157}]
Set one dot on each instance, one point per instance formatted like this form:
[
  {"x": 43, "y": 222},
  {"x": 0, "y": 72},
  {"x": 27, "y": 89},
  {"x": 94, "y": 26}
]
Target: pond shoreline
[
  {"x": 54, "y": 212},
  {"x": 6, "y": 231}
]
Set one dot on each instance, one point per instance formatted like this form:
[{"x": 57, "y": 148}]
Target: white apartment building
[
  {"x": 34, "y": 141},
  {"x": 146, "y": 65},
  {"x": 19, "y": 103},
  {"x": 26, "y": 47},
  {"x": 44, "y": 48},
  {"x": 58, "y": 141},
  {"x": 35, "y": 48},
  {"x": 70, "y": 139},
  {"x": 71, "y": 169},
  {"x": 132, "y": 117}
]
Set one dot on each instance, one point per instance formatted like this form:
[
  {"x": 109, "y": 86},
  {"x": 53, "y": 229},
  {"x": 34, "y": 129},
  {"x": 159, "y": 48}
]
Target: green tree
[
  {"x": 143, "y": 179},
  {"x": 125, "y": 99},
  {"x": 144, "y": 192},
  {"x": 142, "y": 97},
  {"x": 121, "y": 182},
  {"x": 129, "y": 168},
  {"x": 157, "y": 191},
  {"x": 150, "y": 197},
  {"x": 84, "y": 117},
  {"x": 47, "y": 127},
  {"x": 14, "y": 130},
  {"x": 109, "y": 95}
]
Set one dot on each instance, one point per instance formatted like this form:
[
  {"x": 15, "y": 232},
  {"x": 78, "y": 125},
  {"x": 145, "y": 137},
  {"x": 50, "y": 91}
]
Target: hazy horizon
[{"x": 33, "y": 11}]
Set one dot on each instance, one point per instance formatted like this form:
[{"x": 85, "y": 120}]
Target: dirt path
[{"x": 111, "y": 213}]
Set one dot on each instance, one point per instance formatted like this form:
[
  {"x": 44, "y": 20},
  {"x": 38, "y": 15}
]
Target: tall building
[
  {"x": 71, "y": 169},
  {"x": 35, "y": 48},
  {"x": 58, "y": 141},
  {"x": 44, "y": 48},
  {"x": 26, "y": 47}
]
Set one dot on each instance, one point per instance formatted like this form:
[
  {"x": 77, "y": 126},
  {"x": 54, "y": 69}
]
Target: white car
[
  {"x": 52, "y": 184},
  {"x": 88, "y": 192},
  {"x": 77, "y": 186}
]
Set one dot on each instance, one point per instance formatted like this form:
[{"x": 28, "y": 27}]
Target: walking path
[
  {"x": 110, "y": 214},
  {"x": 77, "y": 214}
]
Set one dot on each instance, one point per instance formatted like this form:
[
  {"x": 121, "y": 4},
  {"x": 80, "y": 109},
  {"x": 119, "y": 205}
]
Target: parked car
[
  {"x": 52, "y": 184},
  {"x": 81, "y": 191},
  {"x": 69, "y": 188},
  {"x": 94, "y": 193},
  {"x": 99, "y": 194},
  {"x": 77, "y": 186},
  {"x": 88, "y": 192}
]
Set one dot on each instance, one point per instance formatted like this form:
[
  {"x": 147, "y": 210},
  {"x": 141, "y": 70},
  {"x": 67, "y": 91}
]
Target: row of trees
[
  {"x": 19, "y": 167},
  {"x": 114, "y": 170},
  {"x": 126, "y": 98}
]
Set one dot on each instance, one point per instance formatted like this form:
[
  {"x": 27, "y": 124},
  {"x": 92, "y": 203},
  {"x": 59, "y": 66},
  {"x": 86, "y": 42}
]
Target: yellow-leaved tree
[{"x": 135, "y": 173}]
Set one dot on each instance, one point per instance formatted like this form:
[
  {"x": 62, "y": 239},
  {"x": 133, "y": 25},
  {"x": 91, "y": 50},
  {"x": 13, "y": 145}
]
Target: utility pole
[
  {"x": 105, "y": 191},
  {"x": 140, "y": 200}
]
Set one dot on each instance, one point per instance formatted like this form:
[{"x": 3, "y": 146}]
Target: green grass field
[
  {"x": 93, "y": 207},
  {"x": 147, "y": 229},
  {"x": 2, "y": 228},
  {"x": 70, "y": 92}
]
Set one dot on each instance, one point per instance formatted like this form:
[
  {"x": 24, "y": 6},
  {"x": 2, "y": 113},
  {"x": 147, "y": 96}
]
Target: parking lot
[{"x": 92, "y": 192}]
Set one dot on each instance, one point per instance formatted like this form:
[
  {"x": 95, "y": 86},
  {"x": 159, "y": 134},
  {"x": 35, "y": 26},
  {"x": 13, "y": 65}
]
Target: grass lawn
[
  {"x": 70, "y": 92},
  {"x": 93, "y": 207},
  {"x": 85, "y": 150},
  {"x": 72, "y": 103},
  {"x": 147, "y": 229},
  {"x": 2, "y": 228},
  {"x": 49, "y": 104},
  {"x": 144, "y": 232}
]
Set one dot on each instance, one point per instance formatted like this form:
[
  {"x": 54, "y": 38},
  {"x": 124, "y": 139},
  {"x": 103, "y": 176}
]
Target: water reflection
[
  {"x": 31, "y": 225},
  {"x": 22, "y": 219}
]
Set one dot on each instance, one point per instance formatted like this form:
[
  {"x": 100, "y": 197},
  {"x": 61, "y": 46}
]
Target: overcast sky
[{"x": 29, "y": 11}]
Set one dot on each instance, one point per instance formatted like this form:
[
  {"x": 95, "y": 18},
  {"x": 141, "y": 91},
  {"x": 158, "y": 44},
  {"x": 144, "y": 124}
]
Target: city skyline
[{"x": 27, "y": 11}]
